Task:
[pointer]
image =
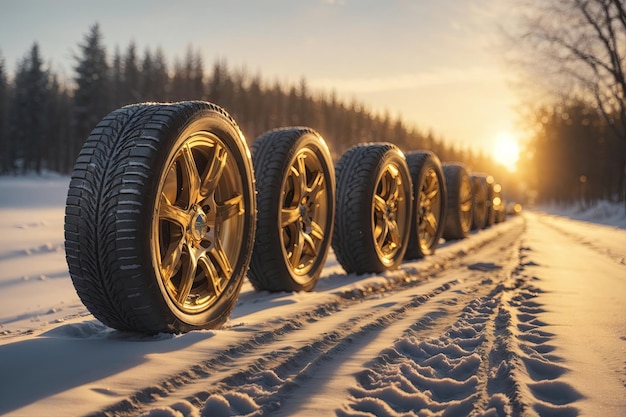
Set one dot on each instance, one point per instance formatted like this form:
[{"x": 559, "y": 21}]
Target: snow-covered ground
[
  {"x": 601, "y": 212},
  {"x": 524, "y": 318}
]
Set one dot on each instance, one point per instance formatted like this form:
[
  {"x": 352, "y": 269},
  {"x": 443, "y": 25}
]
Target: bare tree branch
[{"x": 585, "y": 42}]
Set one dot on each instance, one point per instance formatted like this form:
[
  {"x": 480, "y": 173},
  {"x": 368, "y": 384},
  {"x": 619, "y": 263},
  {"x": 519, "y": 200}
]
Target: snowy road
[{"x": 525, "y": 318}]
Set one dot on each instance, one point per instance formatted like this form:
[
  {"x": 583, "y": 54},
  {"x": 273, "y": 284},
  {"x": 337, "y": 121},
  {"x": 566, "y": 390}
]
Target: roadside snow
[{"x": 601, "y": 212}]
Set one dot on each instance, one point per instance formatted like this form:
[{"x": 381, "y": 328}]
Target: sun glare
[{"x": 506, "y": 150}]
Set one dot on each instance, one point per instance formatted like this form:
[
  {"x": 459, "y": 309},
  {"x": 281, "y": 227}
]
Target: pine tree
[
  {"x": 221, "y": 87},
  {"x": 117, "y": 80},
  {"x": 178, "y": 85},
  {"x": 154, "y": 77},
  {"x": 146, "y": 85},
  {"x": 5, "y": 163},
  {"x": 188, "y": 80},
  {"x": 58, "y": 115},
  {"x": 131, "y": 85},
  {"x": 160, "y": 77},
  {"x": 92, "y": 99},
  {"x": 195, "y": 68},
  {"x": 28, "y": 127}
]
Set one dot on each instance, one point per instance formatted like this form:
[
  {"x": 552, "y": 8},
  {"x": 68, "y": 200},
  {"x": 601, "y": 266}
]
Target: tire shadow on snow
[{"x": 75, "y": 355}]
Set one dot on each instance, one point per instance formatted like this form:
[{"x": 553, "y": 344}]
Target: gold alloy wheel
[
  {"x": 198, "y": 224},
  {"x": 303, "y": 215},
  {"x": 429, "y": 209},
  {"x": 389, "y": 218}
]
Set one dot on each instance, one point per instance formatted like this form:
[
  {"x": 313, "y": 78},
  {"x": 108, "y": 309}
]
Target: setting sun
[{"x": 506, "y": 150}]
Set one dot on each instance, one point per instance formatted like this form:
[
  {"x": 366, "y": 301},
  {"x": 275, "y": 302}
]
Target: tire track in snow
[
  {"x": 269, "y": 360},
  {"x": 273, "y": 364},
  {"x": 617, "y": 252},
  {"x": 494, "y": 355}
]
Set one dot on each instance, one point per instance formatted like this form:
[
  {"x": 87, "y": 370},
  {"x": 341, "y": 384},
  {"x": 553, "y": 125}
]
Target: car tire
[
  {"x": 429, "y": 197},
  {"x": 480, "y": 209},
  {"x": 160, "y": 218},
  {"x": 459, "y": 213},
  {"x": 295, "y": 182},
  {"x": 374, "y": 208}
]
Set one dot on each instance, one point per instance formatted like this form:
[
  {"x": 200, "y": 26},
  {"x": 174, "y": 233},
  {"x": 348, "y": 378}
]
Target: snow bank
[{"x": 601, "y": 212}]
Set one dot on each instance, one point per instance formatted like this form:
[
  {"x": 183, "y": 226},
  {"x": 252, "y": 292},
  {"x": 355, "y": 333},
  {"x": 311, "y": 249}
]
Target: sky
[{"x": 435, "y": 64}]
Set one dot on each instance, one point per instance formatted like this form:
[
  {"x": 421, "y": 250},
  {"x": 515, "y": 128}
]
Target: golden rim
[
  {"x": 389, "y": 215},
  {"x": 198, "y": 224},
  {"x": 429, "y": 209},
  {"x": 304, "y": 211}
]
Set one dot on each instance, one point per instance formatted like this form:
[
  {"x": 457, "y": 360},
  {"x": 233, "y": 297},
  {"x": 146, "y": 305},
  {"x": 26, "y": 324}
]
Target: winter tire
[
  {"x": 160, "y": 218},
  {"x": 295, "y": 182},
  {"x": 479, "y": 200},
  {"x": 429, "y": 196},
  {"x": 374, "y": 207},
  {"x": 459, "y": 213}
]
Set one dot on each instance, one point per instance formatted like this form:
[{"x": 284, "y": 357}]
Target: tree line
[
  {"x": 574, "y": 156},
  {"x": 44, "y": 120}
]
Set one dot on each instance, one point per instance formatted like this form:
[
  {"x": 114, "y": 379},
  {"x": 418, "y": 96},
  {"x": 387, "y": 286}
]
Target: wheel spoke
[
  {"x": 394, "y": 235},
  {"x": 316, "y": 231},
  {"x": 171, "y": 259},
  {"x": 466, "y": 205},
  {"x": 380, "y": 204},
  {"x": 297, "y": 248},
  {"x": 229, "y": 208},
  {"x": 289, "y": 216},
  {"x": 317, "y": 186},
  {"x": 188, "y": 277},
  {"x": 190, "y": 171},
  {"x": 433, "y": 194},
  {"x": 430, "y": 223},
  {"x": 383, "y": 228},
  {"x": 213, "y": 171},
  {"x": 212, "y": 275},
  {"x": 302, "y": 185},
  {"x": 393, "y": 189},
  {"x": 172, "y": 213},
  {"x": 309, "y": 245},
  {"x": 432, "y": 188},
  {"x": 222, "y": 263}
]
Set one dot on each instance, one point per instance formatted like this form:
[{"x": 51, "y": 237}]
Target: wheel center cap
[
  {"x": 199, "y": 227},
  {"x": 389, "y": 210}
]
